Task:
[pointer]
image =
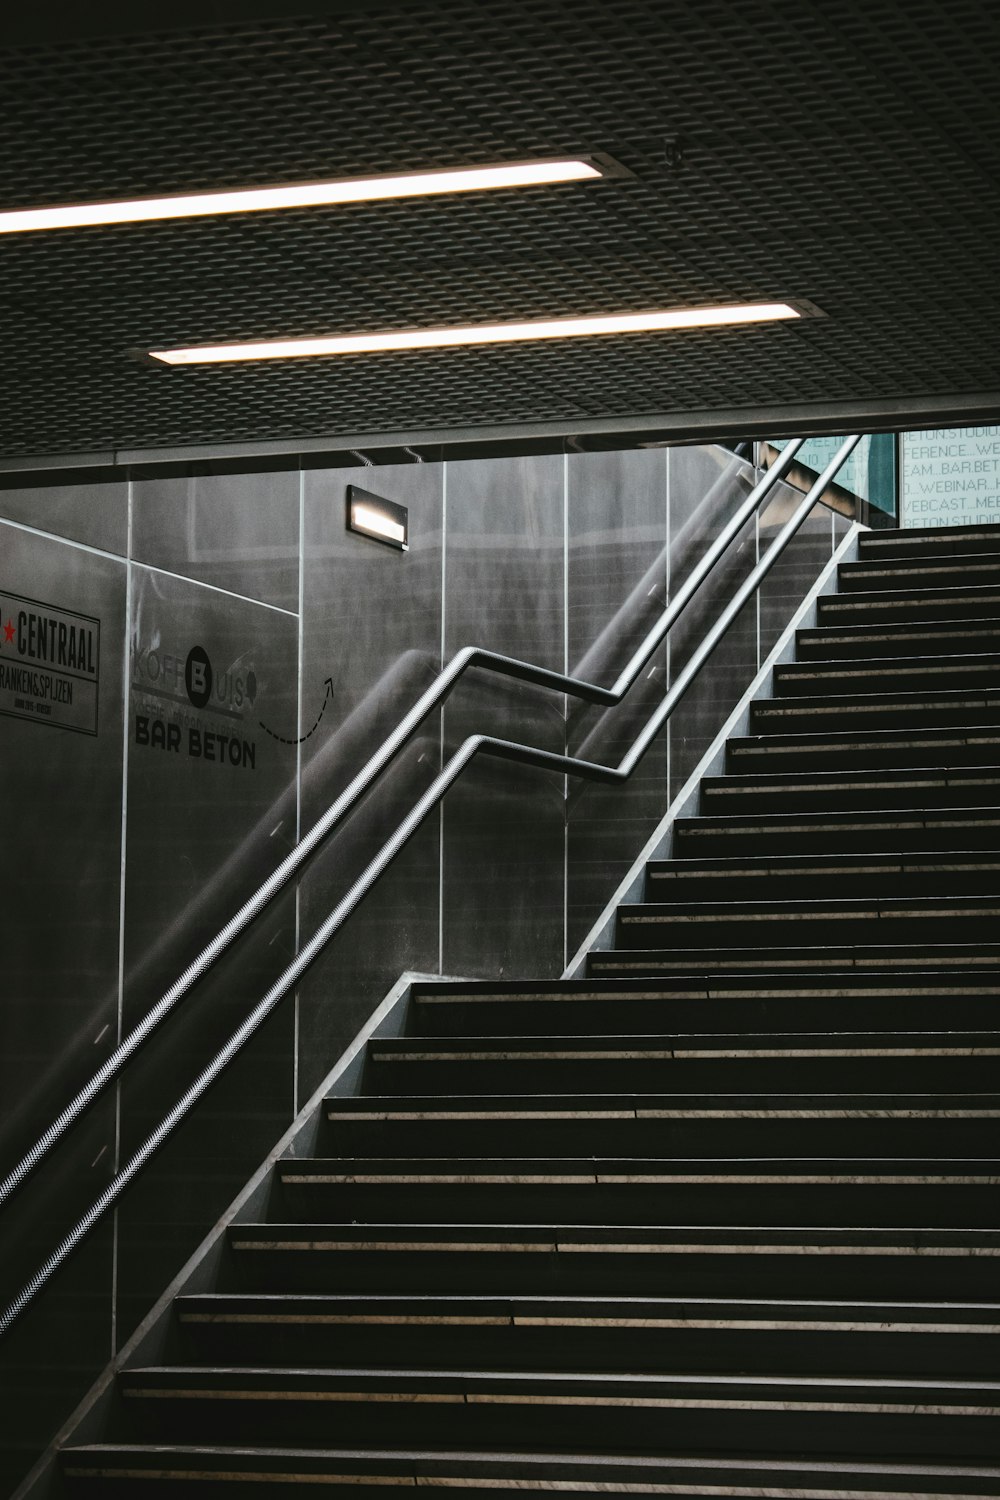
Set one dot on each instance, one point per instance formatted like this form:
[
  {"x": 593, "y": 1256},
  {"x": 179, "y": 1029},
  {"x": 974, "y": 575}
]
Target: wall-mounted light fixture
[
  {"x": 382, "y": 520},
  {"x": 672, "y": 320},
  {"x": 309, "y": 194}
]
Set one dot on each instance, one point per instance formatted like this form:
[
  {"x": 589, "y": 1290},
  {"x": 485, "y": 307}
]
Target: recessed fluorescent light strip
[
  {"x": 494, "y": 333},
  {"x": 299, "y": 195}
]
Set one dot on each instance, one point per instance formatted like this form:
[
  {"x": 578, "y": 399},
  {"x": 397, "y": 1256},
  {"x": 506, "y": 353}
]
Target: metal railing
[{"x": 471, "y": 747}]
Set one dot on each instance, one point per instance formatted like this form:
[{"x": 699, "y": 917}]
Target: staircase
[{"x": 722, "y": 1218}]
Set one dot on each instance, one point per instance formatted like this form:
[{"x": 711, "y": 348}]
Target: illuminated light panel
[
  {"x": 298, "y": 195},
  {"x": 369, "y": 520},
  {"x": 494, "y": 333},
  {"x": 382, "y": 520}
]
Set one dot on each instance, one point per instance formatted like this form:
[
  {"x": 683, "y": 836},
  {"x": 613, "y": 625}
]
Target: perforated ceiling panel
[{"x": 785, "y": 150}]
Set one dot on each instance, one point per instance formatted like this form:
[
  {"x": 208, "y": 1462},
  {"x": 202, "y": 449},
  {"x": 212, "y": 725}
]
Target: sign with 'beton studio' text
[{"x": 951, "y": 477}]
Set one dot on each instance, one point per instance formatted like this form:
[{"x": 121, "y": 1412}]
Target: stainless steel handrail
[
  {"x": 469, "y": 656},
  {"x": 488, "y": 745}
]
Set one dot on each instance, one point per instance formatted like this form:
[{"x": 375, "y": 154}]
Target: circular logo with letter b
[{"x": 198, "y": 676}]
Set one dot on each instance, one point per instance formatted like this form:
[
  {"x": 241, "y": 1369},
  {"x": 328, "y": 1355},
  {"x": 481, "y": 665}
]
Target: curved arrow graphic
[{"x": 302, "y": 737}]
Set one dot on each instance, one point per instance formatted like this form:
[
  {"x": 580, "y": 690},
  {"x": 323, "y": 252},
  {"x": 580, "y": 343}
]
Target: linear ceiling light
[
  {"x": 494, "y": 333},
  {"x": 301, "y": 195}
]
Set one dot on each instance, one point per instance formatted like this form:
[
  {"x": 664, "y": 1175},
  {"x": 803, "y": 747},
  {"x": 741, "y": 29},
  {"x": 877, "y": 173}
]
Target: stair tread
[
  {"x": 936, "y": 861},
  {"x": 627, "y": 1311},
  {"x": 547, "y": 1236},
  {"x": 677, "y": 1041},
  {"x": 762, "y": 962},
  {"x": 976, "y": 625},
  {"x": 972, "y": 561},
  {"x": 913, "y": 698},
  {"x": 538, "y": 1385},
  {"x": 933, "y": 662},
  {"x": 988, "y": 814},
  {"x": 873, "y": 907},
  {"x": 930, "y": 535},
  {"x": 972, "y": 735},
  {"x": 937, "y": 980},
  {"x": 847, "y": 780},
  {"x": 589, "y": 1169},
  {"x": 603, "y": 1467},
  {"x": 501, "y": 1106},
  {"x": 927, "y": 594}
]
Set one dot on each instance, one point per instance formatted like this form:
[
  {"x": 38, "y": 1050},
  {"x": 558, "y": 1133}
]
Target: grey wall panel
[
  {"x": 203, "y": 832},
  {"x": 60, "y": 831},
  {"x": 95, "y": 513},
  {"x": 616, "y": 590},
  {"x": 52, "y": 1355},
  {"x": 372, "y": 628},
  {"x": 211, "y": 778},
  {"x": 165, "y": 1215},
  {"x": 394, "y": 929},
  {"x": 371, "y": 620},
  {"x": 503, "y": 843},
  {"x": 237, "y": 531}
]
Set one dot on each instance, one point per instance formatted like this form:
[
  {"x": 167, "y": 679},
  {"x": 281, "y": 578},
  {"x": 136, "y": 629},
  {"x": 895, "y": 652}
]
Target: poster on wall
[
  {"x": 49, "y": 663},
  {"x": 951, "y": 477}
]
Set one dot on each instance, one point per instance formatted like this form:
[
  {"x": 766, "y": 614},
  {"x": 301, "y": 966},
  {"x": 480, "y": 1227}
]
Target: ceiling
[{"x": 798, "y": 149}]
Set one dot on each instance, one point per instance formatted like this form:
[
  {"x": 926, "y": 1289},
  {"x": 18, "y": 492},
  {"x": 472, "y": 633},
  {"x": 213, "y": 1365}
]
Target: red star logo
[{"x": 8, "y": 630}]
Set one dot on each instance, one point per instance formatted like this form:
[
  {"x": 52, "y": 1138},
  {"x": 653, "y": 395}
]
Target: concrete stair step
[
  {"x": 954, "y": 571},
  {"x": 757, "y": 1002},
  {"x": 947, "y": 708},
  {"x": 874, "y": 603},
  {"x": 647, "y": 1190},
  {"x": 852, "y": 1414},
  {"x": 543, "y": 1257},
  {"x": 906, "y": 1061},
  {"x": 889, "y": 749},
  {"x": 844, "y": 790},
  {"x": 579, "y": 1475},
  {"x": 925, "y": 674},
  {"x": 855, "y": 831},
  {"x": 921, "y": 542},
  {"x": 902, "y": 641},
  {"x": 803, "y": 962},
  {"x": 592, "y": 1333},
  {"x": 836, "y": 920},
  {"x": 860, "y": 876},
  {"x": 666, "y": 1125}
]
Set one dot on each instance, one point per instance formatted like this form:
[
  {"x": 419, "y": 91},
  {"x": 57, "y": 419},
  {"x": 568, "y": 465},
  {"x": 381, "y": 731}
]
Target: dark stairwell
[{"x": 720, "y": 1218}]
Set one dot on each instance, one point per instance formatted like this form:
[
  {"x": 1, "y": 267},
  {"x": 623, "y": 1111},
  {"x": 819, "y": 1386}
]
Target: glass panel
[
  {"x": 211, "y": 810},
  {"x": 51, "y": 1356},
  {"x": 236, "y": 531},
  {"x": 707, "y": 485},
  {"x": 617, "y": 590},
  {"x": 951, "y": 477},
  {"x": 60, "y": 831},
  {"x": 869, "y": 472},
  {"x": 798, "y": 567},
  {"x": 93, "y": 511}
]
